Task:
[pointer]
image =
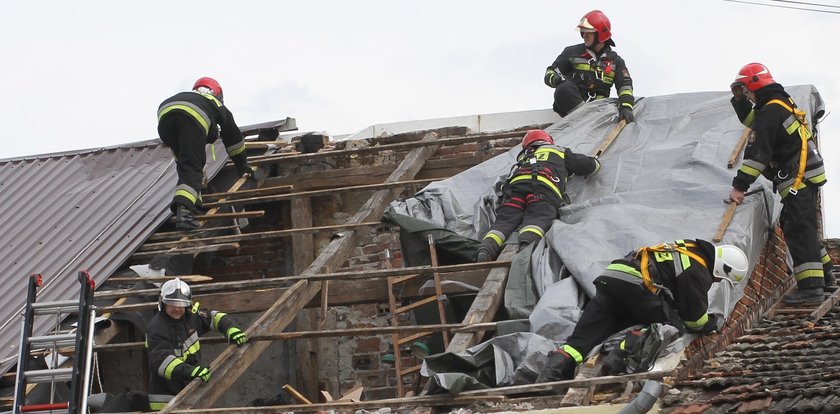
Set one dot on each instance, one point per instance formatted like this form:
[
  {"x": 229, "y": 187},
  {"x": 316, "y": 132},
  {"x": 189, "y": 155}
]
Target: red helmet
[
  {"x": 211, "y": 84},
  {"x": 534, "y": 136},
  {"x": 754, "y": 76},
  {"x": 596, "y": 21}
]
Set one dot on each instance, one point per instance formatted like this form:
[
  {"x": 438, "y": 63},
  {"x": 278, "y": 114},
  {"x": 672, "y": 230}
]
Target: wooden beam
[
  {"x": 178, "y": 234},
  {"x": 232, "y": 362},
  {"x": 328, "y": 333},
  {"x": 449, "y": 140},
  {"x": 551, "y": 386},
  {"x": 736, "y": 152},
  {"x": 302, "y": 256},
  {"x": 316, "y": 193},
  {"x": 286, "y": 280},
  {"x": 613, "y": 134},
  {"x": 198, "y": 248},
  {"x": 239, "y": 214},
  {"x": 486, "y": 303},
  {"x": 577, "y": 396},
  {"x": 228, "y": 302},
  {"x": 185, "y": 278},
  {"x": 266, "y": 190},
  {"x": 263, "y": 235}
]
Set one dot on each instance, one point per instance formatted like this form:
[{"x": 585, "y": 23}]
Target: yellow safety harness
[
  {"x": 804, "y": 134},
  {"x": 643, "y": 255}
]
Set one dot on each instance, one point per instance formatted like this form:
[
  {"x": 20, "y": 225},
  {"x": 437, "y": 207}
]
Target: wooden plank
[
  {"x": 736, "y": 152},
  {"x": 198, "y": 248},
  {"x": 286, "y": 280},
  {"x": 265, "y": 190},
  {"x": 724, "y": 222},
  {"x": 609, "y": 139},
  {"x": 826, "y": 306},
  {"x": 228, "y": 302},
  {"x": 556, "y": 385},
  {"x": 448, "y": 140},
  {"x": 315, "y": 193},
  {"x": 232, "y": 362},
  {"x": 325, "y": 333},
  {"x": 264, "y": 235},
  {"x": 185, "y": 278},
  {"x": 172, "y": 235},
  {"x": 577, "y": 396},
  {"x": 486, "y": 303},
  {"x": 238, "y": 214}
]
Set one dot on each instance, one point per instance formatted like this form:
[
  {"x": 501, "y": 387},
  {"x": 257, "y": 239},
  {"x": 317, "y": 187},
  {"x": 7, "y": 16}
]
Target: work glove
[
  {"x": 236, "y": 336},
  {"x": 558, "y": 366},
  {"x": 246, "y": 169},
  {"x": 553, "y": 78},
  {"x": 626, "y": 114},
  {"x": 737, "y": 91},
  {"x": 201, "y": 372},
  {"x": 710, "y": 326}
]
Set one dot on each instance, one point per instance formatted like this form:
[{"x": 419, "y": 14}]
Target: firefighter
[
  {"x": 172, "y": 343},
  {"x": 587, "y": 71},
  {"x": 186, "y": 122},
  {"x": 781, "y": 148},
  {"x": 534, "y": 192},
  {"x": 667, "y": 283}
]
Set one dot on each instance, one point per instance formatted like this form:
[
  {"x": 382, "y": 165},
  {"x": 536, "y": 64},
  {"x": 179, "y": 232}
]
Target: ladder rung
[
  {"x": 60, "y": 340},
  {"x": 48, "y": 375},
  {"x": 414, "y": 305},
  {"x": 409, "y": 370},
  {"x": 59, "y": 306},
  {"x": 414, "y": 337}
]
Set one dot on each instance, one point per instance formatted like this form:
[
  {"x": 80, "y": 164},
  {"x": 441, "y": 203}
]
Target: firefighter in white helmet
[
  {"x": 667, "y": 283},
  {"x": 172, "y": 341}
]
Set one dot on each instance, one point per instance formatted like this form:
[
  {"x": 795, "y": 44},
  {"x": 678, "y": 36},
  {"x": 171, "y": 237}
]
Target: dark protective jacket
[
  {"x": 593, "y": 72},
  {"x": 174, "y": 349},
  {"x": 551, "y": 166},
  {"x": 681, "y": 272},
  {"x": 212, "y": 117},
  {"x": 775, "y": 143}
]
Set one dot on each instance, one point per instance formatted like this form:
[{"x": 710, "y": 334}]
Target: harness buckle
[{"x": 792, "y": 191}]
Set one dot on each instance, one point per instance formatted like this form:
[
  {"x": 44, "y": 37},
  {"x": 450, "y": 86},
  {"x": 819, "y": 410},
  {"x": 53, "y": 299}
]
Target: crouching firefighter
[
  {"x": 781, "y": 148},
  {"x": 174, "y": 351},
  {"x": 667, "y": 283},
  {"x": 533, "y": 192},
  {"x": 186, "y": 123}
]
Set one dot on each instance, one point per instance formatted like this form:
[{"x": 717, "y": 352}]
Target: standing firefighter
[
  {"x": 186, "y": 123},
  {"x": 172, "y": 341},
  {"x": 534, "y": 191},
  {"x": 781, "y": 148},
  {"x": 588, "y": 71},
  {"x": 667, "y": 283}
]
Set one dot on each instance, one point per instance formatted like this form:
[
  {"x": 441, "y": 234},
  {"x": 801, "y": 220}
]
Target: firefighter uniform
[
  {"x": 534, "y": 191},
  {"x": 779, "y": 144},
  {"x": 581, "y": 75},
  {"x": 186, "y": 123},
  {"x": 174, "y": 350},
  {"x": 672, "y": 289}
]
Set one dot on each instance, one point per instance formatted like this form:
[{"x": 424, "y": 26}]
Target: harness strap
[
  {"x": 643, "y": 255},
  {"x": 804, "y": 134}
]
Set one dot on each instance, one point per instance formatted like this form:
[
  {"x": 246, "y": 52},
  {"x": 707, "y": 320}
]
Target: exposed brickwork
[{"x": 767, "y": 283}]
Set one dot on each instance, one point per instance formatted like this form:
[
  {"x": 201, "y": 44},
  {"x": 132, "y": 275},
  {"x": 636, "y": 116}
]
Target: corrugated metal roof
[{"x": 70, "y": 211}]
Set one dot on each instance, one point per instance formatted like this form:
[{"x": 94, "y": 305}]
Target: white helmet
[
  {"x": 730, "y": 263},
  {"x": 176, "y": 293}
]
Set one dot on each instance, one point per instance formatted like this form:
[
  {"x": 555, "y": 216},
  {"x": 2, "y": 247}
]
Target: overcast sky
[{"x": 92, "y": 73}]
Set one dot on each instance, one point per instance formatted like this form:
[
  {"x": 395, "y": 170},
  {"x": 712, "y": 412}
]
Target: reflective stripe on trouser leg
[
  {"x": 158, "y": 401},
  {"x": 799, "y": 225},
  {"x": 508, "y": 217}
]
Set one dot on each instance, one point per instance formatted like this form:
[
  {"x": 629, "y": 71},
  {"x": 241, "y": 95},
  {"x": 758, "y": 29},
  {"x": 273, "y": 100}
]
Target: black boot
[
  {"x": 184, "y": 219},
  {"x": 809, "y": 295},
  {"x": 830, "y": 280},
  {"x": 558, "y": 366}
]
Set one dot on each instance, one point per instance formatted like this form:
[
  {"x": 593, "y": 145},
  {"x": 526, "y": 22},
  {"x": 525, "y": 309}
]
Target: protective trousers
[
  {"x": 618, "y": 305},
  {"x": 187, "y": 141},
  {"x": 567, "y": 97},
  {"x": 529, "y": 208},
  {"x": 799, "y": 225}
]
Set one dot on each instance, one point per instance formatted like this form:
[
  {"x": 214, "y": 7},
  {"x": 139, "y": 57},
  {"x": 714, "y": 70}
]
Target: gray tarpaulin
[{"x": 664, "y": 178}]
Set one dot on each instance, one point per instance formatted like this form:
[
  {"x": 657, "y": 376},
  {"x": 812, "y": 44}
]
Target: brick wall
[{"x": 767, "y": 283}]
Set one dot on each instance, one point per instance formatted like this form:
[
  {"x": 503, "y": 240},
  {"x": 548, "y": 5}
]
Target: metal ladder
[
  {"x": 81, "y": 342},
  {"x": 398, "y": 340}
]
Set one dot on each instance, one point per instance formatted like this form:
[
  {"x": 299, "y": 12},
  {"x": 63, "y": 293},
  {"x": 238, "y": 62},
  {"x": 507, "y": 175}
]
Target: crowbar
[
  {"x": 727, "y": 216},
  {"x": 610, "y": 138},
  {"x": 738, "y": 148}
]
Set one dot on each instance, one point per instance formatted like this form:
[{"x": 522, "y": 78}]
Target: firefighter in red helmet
[
  {"x": 781, "y": 147},
  {"x": 588, "y": 71},
  {"x": 186, "y": 123},
  {"x": 533, "y": 192}
]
